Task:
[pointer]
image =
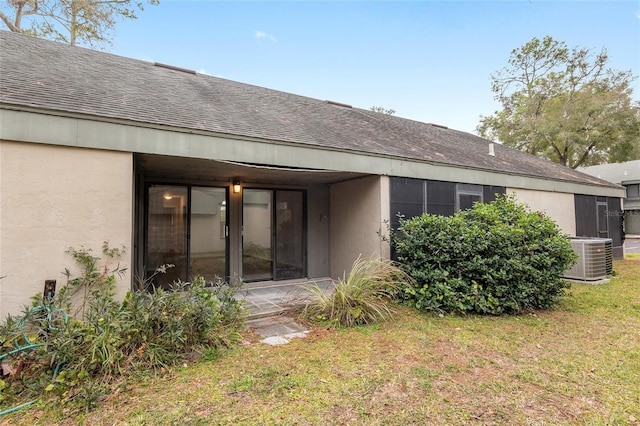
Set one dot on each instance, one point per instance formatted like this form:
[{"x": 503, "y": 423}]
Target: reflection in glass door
[
  {"x": 186, "y": 228},
  {"x": 167, "y": 233},
  {"x": 273, "y": 252},
  {"x": 208, "y": 237},
  {"x": 289, "y": 235},
  {"x": 257, "y": 257}
]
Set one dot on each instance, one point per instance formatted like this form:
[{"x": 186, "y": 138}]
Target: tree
[
  {"x": 565, "y": 105},
  {"x": 89, "y": 22},
  {"x": 382, "y": 110}
]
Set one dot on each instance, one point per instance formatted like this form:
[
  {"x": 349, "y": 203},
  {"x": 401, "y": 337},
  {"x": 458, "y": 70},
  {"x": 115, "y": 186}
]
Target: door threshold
[{"x": 284, "y": 283}]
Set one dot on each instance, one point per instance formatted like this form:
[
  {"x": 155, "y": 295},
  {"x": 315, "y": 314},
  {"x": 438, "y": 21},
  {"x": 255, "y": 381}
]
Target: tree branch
[
  {"x": 8, "y": 23},
  {"x": 556, "y": 149},
  {"x": 585, "y": 155}
]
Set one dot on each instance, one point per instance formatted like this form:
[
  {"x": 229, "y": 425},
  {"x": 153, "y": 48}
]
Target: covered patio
[{"x": 269, "y": 226}]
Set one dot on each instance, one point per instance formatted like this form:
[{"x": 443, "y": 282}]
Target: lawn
[{"x": 576, "y": 364}]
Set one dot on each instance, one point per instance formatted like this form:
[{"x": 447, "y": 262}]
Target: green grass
[{"x": 577, "y": 364}]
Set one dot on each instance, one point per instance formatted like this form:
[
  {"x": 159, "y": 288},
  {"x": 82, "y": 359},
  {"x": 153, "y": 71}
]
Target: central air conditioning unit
[{"x": 595, "y": 259}]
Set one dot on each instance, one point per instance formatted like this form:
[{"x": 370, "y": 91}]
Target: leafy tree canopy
[
  {"x": 88, "y": 22},
  {"x": 382, "y": 110},
  {"x": 564, "y": 104}
]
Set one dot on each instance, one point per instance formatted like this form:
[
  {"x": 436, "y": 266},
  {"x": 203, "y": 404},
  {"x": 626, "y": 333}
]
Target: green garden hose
[{"x": 28, "y": 346}]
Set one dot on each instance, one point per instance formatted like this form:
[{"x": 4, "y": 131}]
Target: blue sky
[{"x": 428, "y": 60}]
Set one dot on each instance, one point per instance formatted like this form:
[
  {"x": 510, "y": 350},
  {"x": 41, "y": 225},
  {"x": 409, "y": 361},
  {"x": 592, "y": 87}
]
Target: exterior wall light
[{"x": 236, "y": 186}]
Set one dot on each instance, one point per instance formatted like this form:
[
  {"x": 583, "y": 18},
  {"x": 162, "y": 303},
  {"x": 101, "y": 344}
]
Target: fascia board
[{"x": 23, "y": 125}]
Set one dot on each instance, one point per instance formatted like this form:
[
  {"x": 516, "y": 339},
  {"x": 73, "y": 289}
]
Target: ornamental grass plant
[{"x": 362, "y": 297}]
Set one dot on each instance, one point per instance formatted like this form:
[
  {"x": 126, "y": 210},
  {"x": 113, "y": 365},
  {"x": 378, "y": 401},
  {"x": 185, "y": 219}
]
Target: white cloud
[{"x": 260, "y": 35}]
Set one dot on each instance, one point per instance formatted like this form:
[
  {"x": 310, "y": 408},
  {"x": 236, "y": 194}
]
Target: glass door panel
[
  {"x": 167, "y": 233},
  {"x": 257, "y": 254},
  {"x": 289, "y": 235},
  {"x": 208, "y": 238}
]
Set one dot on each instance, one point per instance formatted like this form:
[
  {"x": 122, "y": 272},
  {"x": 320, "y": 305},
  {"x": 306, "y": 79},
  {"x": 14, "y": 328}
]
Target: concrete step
[{"x": 270, "y": 298}]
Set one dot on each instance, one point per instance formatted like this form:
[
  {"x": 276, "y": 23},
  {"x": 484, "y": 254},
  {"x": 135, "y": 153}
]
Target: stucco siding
[
  {"x": 359, "y": 209},
  {"x": 53, "y": 198},
  {"x": 557, "y": 205}
]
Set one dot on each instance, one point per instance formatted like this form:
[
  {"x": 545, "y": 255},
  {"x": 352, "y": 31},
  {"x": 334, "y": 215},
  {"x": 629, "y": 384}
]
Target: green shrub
[
  {"x": 361, "y": 298},
  {"x": 74, "y": 358},
  {"x": 169, "y": 324},
  {"x": 493, "y": 259}
]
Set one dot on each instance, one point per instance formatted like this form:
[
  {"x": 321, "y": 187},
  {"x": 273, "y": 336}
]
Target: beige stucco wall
[
  {"x": 53, "y": 198},
  {"x": 359, "y": 209},
  {"x": 557, "y": 205}
]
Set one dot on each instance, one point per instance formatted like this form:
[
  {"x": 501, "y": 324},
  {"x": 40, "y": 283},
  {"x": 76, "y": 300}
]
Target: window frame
[
  {"x": 469, "y": 189},
  {"x": 637, "y": 191}
]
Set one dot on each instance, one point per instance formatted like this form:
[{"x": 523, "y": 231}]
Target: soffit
[{"x": 226, "y": 171}]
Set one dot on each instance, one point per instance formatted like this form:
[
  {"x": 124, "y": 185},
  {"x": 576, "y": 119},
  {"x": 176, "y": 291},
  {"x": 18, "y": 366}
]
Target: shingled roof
[
  {"x": 54, "y": 76},
  {"x": 619, "y": 173}
]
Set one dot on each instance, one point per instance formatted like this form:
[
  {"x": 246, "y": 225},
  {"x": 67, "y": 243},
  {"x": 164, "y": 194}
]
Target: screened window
[
  {"x": 441, "y": 198},
  {"x": 633, "y": 191},
  {"x": 467, "y": 195},
  {"x": 412, "y": 197},
  {"x": 407, "y": 198}
]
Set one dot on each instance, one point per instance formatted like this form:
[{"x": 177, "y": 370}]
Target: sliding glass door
[
  {"x": 257, "y": 241},
  {"x": 289, "y": 238},
  {"x": 273, "y": 235},
  {"x": 186, "y": 226},
  {"x": 208, "y": 233}
]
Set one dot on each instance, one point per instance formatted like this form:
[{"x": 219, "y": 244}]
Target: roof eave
[{"x": 404, "y": 166}]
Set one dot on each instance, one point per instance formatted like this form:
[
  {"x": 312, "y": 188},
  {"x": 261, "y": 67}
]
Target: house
[
  {"x": 626, "y": 174},
  {"x": 224, "y": 179}
]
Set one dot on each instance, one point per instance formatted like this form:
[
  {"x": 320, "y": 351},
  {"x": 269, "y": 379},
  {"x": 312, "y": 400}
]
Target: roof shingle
[{"x": 49, "y": 75}]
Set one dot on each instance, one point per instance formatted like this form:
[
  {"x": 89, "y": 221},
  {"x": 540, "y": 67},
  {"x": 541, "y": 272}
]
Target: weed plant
[{"x": 74, "y": 359}]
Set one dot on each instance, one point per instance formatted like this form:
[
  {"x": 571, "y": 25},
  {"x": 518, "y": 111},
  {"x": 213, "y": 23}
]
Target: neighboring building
[
  {"x": 628, "y": 175},
  {"x": 98, "y": 147}
]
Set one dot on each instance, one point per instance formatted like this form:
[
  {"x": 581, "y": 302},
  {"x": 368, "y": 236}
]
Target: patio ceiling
[{"x": 224, "y": 171}]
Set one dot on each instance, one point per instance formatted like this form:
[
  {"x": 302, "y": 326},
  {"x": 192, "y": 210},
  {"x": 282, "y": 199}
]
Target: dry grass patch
[{"x": 576, "y": 364}]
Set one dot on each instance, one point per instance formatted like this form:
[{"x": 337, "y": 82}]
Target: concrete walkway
[
  {"x": 632, "y": 243},
  {"x": 268, "y": 301},
  {"x": 277, "y": 330},
  {"x": 274, "y": 297}
]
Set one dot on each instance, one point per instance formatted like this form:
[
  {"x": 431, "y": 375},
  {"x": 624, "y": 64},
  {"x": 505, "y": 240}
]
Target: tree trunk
[{"x": 73, "y": 29}]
